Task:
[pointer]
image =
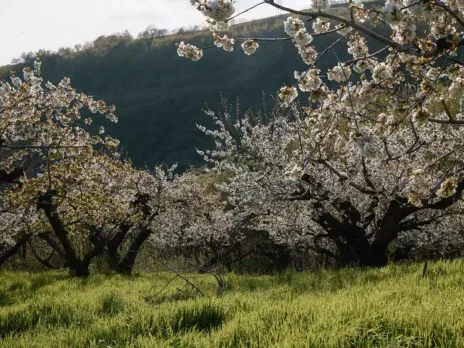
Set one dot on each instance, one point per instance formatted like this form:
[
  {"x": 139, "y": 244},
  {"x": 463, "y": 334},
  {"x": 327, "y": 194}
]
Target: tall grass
[{"x": 391, "y": 307}]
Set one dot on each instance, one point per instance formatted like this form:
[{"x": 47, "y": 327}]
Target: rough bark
[
  {"x": 78, "y": 267},
  {"x": 113, "y": 246},
  {"x": 127, "y": 263}
]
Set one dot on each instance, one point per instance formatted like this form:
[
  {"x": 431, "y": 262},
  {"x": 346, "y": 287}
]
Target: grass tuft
[{"x": 112, "y": 305}]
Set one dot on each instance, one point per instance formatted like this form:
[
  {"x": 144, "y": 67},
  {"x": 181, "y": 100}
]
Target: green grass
[{"x": 391, "y": 307}]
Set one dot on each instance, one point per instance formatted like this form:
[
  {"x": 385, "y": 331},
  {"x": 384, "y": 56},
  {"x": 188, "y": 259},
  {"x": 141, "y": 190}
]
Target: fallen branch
[{"x": 180, "y": 276}]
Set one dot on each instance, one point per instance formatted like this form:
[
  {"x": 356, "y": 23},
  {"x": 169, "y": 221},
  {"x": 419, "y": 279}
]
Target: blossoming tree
[
  {"x": 39, "y": 124},
  {"x": 200, "y": 223},
  {"x": 376, "y": 152},
  {"x": 66, "y": 186}
]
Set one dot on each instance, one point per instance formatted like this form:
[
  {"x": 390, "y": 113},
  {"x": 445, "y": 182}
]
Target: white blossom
[
  {"x": 339, "y": 73},
  {"x": 226, "y": 43},
  {"x": 249, "y": 47},
  {"x": 302, "y": 38},
  {"x": 288, "y": 94},
  {"x": 293, "y": 25},
  {"x": 189, "y": 51}
]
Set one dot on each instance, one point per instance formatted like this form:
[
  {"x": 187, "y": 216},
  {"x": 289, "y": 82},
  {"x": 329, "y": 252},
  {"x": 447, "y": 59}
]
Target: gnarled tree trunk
[{"x": 78, "y": 267}]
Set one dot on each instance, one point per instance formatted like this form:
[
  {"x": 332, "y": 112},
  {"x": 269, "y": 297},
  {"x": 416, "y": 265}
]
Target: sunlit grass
[{"x": 391, "y": 307}]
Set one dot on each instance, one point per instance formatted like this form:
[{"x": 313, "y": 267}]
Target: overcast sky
[{"x": 29, "y": 25}]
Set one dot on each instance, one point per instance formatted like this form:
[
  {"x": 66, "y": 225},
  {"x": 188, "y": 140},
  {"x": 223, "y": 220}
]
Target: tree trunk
[
  {"x": 80, "y": 270},
  {"x": 77, "y": 267},
  {"x": 378, "y": 254},
  {"x": 14, "y": 249},
  {"x": 350, "y": 239},
  {"x": 75, "y": 264},
  {"x": 357, "y": 248},
  {"x": 283, "y": 260},
  {"x": 113, "y": 246},
  {"x": 370, "y": 255},
  {"x": 127, "y": 263},
  {"x": 213, "y": 261},
  {"x": 45, "y": 262}
]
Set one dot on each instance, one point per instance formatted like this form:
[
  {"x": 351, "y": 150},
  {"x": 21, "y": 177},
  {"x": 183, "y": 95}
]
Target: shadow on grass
[
  {"x": 29, "y": 317},
  {"x": 196, "y": 317}
]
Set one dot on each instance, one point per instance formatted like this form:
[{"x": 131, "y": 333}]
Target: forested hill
[{"x": 159, "y": 96}]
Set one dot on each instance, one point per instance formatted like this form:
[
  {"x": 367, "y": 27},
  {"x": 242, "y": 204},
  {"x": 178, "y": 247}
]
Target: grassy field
[{"x": 391, "y": 307}]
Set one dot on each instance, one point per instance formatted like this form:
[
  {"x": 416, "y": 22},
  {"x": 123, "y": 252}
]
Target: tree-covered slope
[{"x": 159, "y": 96}]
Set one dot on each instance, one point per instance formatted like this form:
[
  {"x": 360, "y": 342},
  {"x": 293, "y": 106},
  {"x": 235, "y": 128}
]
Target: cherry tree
[
  {"x": 315, "y": 184},
  {"x": 147, "y": 196},
  {"x": 73, "y": 189},
  {"x": 423, "y": 59},
  {"x": 376, "y": 152},
  {"x": 200, "y": 223},
  {"x": 61, "y": 183},
  {"x": 39, "y": 124}
]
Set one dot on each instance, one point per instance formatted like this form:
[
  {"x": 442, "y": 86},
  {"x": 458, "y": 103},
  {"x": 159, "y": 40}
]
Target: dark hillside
[{"x": 159, "y": 96}]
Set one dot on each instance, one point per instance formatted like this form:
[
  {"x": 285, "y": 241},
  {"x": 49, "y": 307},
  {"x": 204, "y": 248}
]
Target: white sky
[{"x": 30, "y": 25}]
